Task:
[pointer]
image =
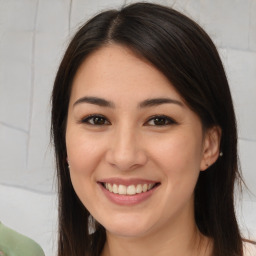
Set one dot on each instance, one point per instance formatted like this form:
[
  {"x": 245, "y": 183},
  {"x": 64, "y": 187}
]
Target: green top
[{"x": 15, "y": 244}]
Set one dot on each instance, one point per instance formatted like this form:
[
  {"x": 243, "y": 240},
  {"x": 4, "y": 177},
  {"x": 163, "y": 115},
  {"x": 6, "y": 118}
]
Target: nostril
[{"x": 126, "y": 160}]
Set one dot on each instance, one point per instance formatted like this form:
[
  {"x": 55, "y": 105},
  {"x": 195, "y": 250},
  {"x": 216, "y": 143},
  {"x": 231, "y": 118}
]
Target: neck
[{"x": 183, "y": 240}]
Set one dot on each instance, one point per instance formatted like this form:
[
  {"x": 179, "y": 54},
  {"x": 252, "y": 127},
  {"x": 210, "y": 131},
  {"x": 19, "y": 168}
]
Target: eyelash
[
  {"x": 94, "y": 118},
  {"x": 164, "y": 120}
]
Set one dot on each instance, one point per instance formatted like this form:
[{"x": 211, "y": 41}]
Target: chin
[
  {"x": 127, "y": 232},
  {"x": 126, "y": 228}
]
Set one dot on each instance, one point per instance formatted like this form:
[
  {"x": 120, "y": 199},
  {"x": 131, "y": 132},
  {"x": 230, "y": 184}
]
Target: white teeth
[
  {"x": 150, "y": 186},
  {"x": 131, "y": 190},
  {"x": 122, "y": 190},
  {"x": 109, "y": 187},
  {"x": 139, "y": 189},
  {"x": 115, "y": 189},
  {"x": 128, "y": 190},
  {"x": 145, "y": 187}
]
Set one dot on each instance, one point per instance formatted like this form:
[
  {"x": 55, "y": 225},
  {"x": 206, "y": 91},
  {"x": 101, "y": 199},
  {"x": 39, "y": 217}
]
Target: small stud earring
[{"x": 221, "y": 154}]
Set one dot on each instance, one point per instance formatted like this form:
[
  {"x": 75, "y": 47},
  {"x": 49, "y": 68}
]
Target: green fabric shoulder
[{"x": 15, "y": 244}]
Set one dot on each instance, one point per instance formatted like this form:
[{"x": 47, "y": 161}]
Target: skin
[{"x": 129, "y": 143}]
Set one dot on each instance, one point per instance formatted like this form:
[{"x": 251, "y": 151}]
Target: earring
[{"x": 221, "y": 154}]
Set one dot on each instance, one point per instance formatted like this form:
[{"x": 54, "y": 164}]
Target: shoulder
[
  {"x": 13, "y": 243},
  {"x": 249, "y": 249}
]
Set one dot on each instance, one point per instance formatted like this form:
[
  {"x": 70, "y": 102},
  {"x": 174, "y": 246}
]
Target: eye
[
  {"x": 160, "y": 121},
  {"x": 96, "y": 120}
]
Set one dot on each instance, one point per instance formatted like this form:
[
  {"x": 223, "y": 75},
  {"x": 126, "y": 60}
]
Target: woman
[{"x": 145, "y": 139}]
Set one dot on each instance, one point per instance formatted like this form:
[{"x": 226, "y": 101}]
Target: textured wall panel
[{"x": 33, "y": 37}]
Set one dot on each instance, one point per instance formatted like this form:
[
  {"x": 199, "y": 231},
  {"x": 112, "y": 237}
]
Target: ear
[{"x": 211, "y": 147}]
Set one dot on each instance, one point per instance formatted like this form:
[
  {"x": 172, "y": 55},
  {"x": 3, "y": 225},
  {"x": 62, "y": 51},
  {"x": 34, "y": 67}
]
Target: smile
[{"x": 129, "y": 190}]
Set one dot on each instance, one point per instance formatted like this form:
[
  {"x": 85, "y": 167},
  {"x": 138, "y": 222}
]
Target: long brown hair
[{"x": 185, "y": 54}]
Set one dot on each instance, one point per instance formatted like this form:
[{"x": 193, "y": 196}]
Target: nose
[{"x": 126, "y": 151}]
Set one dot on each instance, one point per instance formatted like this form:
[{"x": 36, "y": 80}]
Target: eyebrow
[
  {"x": 159, "y": 101},
  {"x": 146, "y": 103},
  {"x": 95, "y": 101}
]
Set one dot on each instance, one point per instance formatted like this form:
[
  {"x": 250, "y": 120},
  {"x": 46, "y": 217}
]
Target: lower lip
[{"x": 127, "y": 199}]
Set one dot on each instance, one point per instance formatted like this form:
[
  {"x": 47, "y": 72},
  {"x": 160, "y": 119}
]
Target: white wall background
[{"x": 33, "y": 37}]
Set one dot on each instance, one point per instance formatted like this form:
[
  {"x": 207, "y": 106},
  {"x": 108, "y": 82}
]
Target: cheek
[
  {"x": 84, "y": 156},
  {"x": 178, "y": 153},
  {"x": 83, "y": 151},
  {"x": 84, "y": 159},
  {"x": 179, "y": 158}
]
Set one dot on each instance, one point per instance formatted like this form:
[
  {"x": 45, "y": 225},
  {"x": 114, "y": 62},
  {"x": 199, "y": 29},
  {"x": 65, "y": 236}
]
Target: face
[{"x": 134, "y": 147}]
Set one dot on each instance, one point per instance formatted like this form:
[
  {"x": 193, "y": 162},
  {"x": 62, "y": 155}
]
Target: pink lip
[
  {"x": 127, "y": 182},
  {"x": 126, "y": 199}
]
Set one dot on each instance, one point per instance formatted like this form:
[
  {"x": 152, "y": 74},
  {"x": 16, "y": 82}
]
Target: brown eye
[
  {"x": 160, "y": 121},
  {"x": 96, "y": 120}
]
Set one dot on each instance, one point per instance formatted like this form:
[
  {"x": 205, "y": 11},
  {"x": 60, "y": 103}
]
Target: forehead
[{"x": 115, "y": 69}]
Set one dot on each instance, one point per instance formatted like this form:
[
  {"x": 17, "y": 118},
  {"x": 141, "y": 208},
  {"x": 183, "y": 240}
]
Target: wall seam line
[
  {"x": 26, "y": 189},
  {"x": 247, "y": 139},
  {"x": 69, "y": 16},
  {"x": 32, "y": 81},
  {"x": 13, "y": 127}
]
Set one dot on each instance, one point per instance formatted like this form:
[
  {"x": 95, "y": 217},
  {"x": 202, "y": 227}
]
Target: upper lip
[{"x": 127, "y": 182}]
